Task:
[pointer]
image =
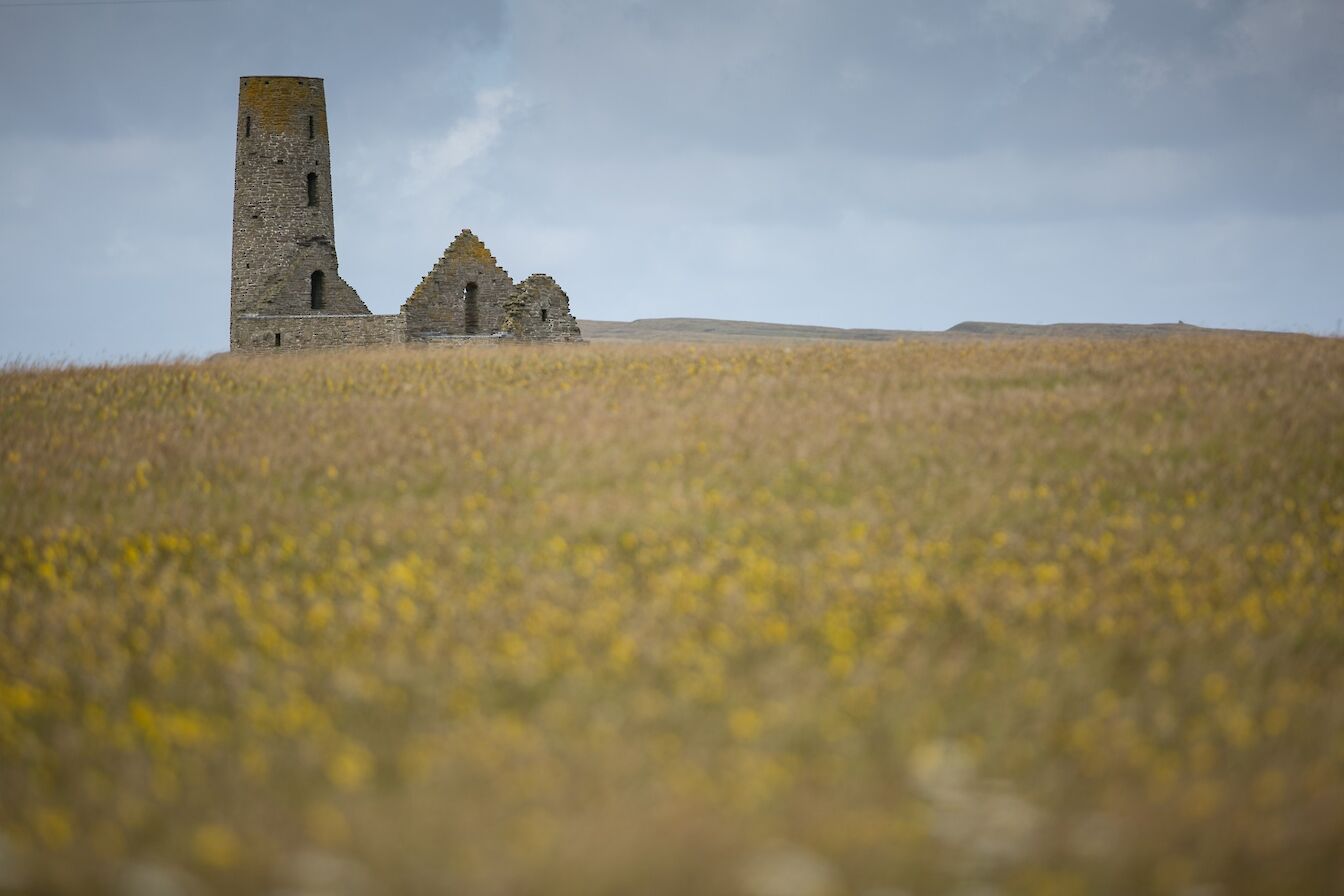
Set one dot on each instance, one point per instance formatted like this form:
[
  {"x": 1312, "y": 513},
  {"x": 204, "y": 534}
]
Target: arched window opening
[
  {"x": 471, "y": 320},
  {"x": 247, "y": 126},
  {"x": 543, "y": 315},
  {"x": 310, "y": 127},
  {"x": 312, "y": 190},
  {"x": 277, "y": 340},
  {"x": 315, "y": 296}
]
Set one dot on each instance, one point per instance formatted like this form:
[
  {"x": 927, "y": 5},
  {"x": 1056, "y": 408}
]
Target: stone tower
[{"x": 284, "y": 242}]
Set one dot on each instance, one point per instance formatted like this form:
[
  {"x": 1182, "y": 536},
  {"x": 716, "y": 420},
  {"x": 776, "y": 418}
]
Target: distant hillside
[
  {"x": 695, "y": 329},
  {"x": 1119, "y": 331}
]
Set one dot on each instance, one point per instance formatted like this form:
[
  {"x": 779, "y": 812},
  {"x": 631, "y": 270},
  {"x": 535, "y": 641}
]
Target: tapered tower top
[{"x": 282, "y": 104}]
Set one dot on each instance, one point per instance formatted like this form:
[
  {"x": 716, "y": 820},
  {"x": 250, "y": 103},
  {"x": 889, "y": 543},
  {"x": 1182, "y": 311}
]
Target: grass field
[{"x": 980, "y": 616}]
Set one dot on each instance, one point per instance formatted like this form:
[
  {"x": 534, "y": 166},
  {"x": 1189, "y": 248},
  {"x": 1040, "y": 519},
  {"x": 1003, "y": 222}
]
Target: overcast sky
[{"x": 878, "y": 164}]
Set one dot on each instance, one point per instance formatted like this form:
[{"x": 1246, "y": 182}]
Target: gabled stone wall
[{"x": 439, "y": 306}]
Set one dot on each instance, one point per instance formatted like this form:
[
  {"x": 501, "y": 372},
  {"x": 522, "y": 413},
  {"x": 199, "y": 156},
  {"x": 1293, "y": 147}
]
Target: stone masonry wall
[
  {"x": 539, "y": 309},
  {"x": 282, "y": 230},
  {"x": 304, "y": 331},
  {"x": 438, "y": 305}
]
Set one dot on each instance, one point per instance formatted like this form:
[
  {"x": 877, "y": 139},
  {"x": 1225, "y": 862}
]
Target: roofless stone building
[{"x": 287, "y": 292}]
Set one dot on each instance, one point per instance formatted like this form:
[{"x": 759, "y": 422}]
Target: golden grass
[{"x": 1046, "y": 617}]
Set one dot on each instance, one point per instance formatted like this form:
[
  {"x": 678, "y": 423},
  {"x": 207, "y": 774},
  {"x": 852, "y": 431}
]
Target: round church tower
[{"x": 284, "y": 246}]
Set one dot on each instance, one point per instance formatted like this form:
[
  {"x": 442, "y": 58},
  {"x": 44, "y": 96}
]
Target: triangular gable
[{"x": 463, "y": 294}]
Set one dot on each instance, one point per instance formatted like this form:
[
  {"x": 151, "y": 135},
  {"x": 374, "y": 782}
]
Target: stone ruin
[{"x": 286, "y": 292}]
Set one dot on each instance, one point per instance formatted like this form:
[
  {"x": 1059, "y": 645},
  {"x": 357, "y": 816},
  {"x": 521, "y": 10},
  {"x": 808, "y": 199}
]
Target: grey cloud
[{"x": 1062, "y": 20}]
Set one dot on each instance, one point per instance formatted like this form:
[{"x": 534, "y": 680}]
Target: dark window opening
[
  {"x": 470, "y": 313},
  {"x": 277, "y": 340},
  {"x": 315, "y": 291},
  {"x": 247, "y": 126},
  {"x": 312, "y": 190},
  {"x": 310, "y": 127},
  {"x": 543, "y": 314}
]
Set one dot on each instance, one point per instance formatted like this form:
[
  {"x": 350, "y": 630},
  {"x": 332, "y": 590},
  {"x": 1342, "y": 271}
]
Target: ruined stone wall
[
  {"x": 283, "y": 228},
  {"x": 438, "y": 307},
  {"x": 258, "y": 333},
  {"x": 286, "y": 293},
  {"x": 539, "y": 309}
]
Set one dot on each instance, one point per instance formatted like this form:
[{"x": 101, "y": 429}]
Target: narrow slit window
[
  {"x": 312, "y": 190},
  {"x": 316, "y": 299},
  {"x": 310, "y": 127},
  {"x": 471, "y": 319},
  {"x": 247, "y": 126},
  {"x": 277, "y": 340}
]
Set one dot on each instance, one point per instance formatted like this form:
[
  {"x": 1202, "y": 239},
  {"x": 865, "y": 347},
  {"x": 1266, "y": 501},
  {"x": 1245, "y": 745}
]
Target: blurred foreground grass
[{"x": 1023, "y": 617}]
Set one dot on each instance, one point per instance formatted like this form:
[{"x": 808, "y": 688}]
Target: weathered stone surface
[
  {"x": 466, "y": 274},
  {"x": 283, "y": 228},
  {"x": 274, "y": 332},
  {"x": 539, "y": 309},
  {"x": 286, "y": 293},
  {"x": 290, "y": 290}
]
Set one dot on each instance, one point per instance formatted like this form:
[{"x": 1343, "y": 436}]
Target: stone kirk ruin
[{"x": 287, "y": 292}]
